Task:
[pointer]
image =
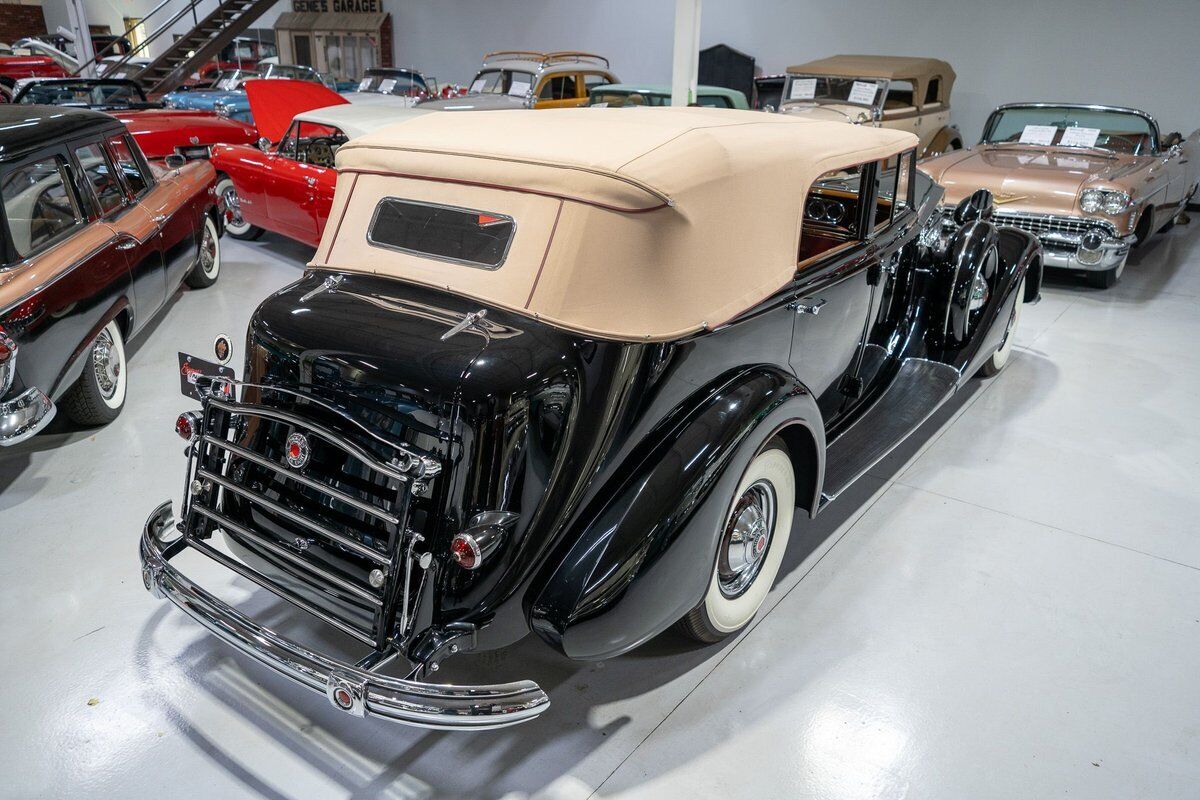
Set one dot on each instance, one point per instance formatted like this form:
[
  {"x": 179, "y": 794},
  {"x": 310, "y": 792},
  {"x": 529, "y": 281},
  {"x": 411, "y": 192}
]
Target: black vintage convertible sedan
[{"x": 575, "y": 380}]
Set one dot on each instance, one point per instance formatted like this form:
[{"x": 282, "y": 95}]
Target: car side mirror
[
  {"x": 1173, "y": 140},
  {"x": 976, "y": 207},
  {"x": 264, "y": 144},
  {"x": 175, "y": 161}
]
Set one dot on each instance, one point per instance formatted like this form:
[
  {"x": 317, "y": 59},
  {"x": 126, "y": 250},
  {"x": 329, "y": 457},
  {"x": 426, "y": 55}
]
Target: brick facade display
[{"x": 18, "y": 21}]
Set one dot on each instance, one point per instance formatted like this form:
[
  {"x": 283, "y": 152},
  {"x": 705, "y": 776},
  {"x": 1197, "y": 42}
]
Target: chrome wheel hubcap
[
  {"x": 106, "y": 364},
  {"x": 234, "y": 206},
  {"x": 746, "y": 538},
  {"x": 208, "y": 251}
]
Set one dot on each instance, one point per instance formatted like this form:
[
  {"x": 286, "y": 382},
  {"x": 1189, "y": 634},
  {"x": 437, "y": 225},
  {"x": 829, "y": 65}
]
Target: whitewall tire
[
  {"x": 750, "y": 548},
  {"x": 1004, "y": 352},
  {"x": 98, "y": 396},
  {"x": 235, "y": 226},
  {"x": 208, "y": 259}
]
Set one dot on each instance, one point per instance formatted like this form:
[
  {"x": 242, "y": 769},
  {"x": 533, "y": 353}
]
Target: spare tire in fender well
[{"x": 615, "y": 587}]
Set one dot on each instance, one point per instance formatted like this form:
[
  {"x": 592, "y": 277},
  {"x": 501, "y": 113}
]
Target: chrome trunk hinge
[
  {"x": 330, "y": 284},
  {"x": 468, "y": 321}
]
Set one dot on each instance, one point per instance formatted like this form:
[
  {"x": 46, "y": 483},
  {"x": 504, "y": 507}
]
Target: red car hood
[
  {"x": 159, "y": 131},
  {"x": 274, "y": 102}
]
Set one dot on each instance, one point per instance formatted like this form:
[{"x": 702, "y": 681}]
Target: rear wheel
[
  {"x": 99, "y": 394},
  {"x": 1000, "y": 358},
  {"x": 235, "y": 226},
  {"x": 208, "y": 262},
  {"x": 752, "y": 542}
]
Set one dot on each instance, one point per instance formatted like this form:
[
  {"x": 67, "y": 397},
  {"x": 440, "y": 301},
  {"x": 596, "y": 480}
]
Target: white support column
[
  {"x": 77, "y": 17},
  {"x": 686, "y": 62}
]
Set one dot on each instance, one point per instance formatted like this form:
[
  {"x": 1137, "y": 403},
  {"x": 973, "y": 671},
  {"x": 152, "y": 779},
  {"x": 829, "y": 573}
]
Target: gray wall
[{"x": 1111, "y": 51}]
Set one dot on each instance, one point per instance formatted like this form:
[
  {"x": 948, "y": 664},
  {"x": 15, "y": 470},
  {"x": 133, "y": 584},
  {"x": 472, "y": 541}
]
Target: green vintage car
[{"x": 616, "y": 95}]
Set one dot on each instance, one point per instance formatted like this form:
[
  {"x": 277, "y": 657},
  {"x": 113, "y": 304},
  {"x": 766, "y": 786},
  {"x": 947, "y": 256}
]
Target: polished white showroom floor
[{"x": 1009, "y": 607}]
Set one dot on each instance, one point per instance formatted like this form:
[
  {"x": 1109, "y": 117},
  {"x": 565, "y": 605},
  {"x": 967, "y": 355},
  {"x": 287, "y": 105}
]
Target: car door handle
[
  {"x": 311, "y": 181},
  {"x": 127, "y": 244},
  {"x": 160, "y": 218},
  {"x": 813, "y": 308}
]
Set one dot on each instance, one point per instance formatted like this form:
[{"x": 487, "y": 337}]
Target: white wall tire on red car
[
  {"x": 750, "y": 550},
  {"x": 235, "y": 226}
]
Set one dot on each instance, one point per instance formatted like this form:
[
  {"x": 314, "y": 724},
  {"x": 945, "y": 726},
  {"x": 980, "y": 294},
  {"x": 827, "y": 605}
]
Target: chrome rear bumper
[
  {"x": 348, "y": 687},
  {"x": 24, "y": 416}
]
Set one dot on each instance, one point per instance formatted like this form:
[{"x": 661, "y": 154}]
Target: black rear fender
[{"x": 642, "y": 554}]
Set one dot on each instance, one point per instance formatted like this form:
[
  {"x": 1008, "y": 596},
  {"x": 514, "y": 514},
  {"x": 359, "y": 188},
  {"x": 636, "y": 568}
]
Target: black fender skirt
[{"x": 643, "y": 552}]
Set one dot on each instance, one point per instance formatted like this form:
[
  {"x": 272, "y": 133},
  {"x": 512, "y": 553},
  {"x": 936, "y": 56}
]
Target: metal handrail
[{"x": 191, "y": 6}]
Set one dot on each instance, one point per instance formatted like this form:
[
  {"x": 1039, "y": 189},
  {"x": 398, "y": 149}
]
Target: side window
[
  {"x": 899, "y": 96},
  {"x": 287, "y": 146},
  {"x": 933, "y": 91},
  {"x": 129, "y": 164},
  {"x": 713, "y": 101},
  {"x": 560, "y": 87},
  {"x": 38, "y": 203},
  {"x": 592, "y": 80},
  {"x": 101, "y": 177},
  {"x": 831, "y": 213},
  {"x": 317, "y": 144},
  {"x": 887, "y": 172}
]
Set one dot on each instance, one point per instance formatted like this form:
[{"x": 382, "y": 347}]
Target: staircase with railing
[{"x": 206, "y": 39}]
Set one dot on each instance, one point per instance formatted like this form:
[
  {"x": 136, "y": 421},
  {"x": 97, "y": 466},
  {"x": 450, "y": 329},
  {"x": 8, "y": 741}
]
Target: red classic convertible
[
  {"x": 159, "y": 131},
  {"x": 286, "y": 184},
  {"x": 14, "y": 67}
]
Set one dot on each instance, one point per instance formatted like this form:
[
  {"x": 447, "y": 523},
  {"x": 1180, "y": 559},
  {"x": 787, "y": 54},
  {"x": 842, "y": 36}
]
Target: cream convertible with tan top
[{"x": 574, "y": 380}]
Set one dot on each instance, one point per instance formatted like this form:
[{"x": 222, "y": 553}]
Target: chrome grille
[
  {"x": 1040, "y": 224},
  {"x": 319, "y": 531}
]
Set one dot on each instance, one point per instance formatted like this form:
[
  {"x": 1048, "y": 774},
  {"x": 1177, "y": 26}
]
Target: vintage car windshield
[
  {"x": 232, "y": 79},
  {"x": 397, "y": 83},
  {"x": 864, "y": 92},
  {"x": 502, "y": 81},
  {"x": 110, "y": 95},
  {"x": 287, "y": 71},
  {"x": 1063, "y": 126}
]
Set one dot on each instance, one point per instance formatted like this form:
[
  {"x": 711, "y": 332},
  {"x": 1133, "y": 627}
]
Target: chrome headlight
[
  {"x": 1115, "y": 202},
  {"x": 1110, "y": 202},
  {"x": 1091, "y": 200}
]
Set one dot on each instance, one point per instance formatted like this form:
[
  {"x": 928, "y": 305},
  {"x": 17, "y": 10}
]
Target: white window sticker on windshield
[
  {"x": 1038, "y": 134},
  {"x": 862, "y": 93},
  {"x": 803, "y": 89},
  {"x": 519, "y": 88},
  {"x": 364, "y": 84},
  {"x": 1080, "y": 137},
  {"x": 386, "y": 85},
  {"x": 478, "y": 85}
]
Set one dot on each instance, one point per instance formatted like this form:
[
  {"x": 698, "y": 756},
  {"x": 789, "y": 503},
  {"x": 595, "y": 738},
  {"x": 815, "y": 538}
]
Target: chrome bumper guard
[
  {"x": 24, "y": 416},
  {"x": 1072, "y": 255},
  {"x": 349, "y": 688}
]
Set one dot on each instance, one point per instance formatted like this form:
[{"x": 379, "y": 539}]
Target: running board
[{"x": 919, "y": 388}]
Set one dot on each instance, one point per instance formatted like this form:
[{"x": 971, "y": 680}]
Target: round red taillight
[
  {"x": 465, "y": 551},
  {"x": 185, "y": 426}
]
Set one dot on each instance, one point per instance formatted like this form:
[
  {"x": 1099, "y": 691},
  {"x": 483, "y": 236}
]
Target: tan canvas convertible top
[
  {"x": 629, "y": 224},
  {"x": 918, "y": 70}
]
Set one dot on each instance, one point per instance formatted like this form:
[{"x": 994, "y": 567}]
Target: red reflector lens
[
  {"x": 488, "y": 219},
  {"x": 184, "y": 427},
  {"x": 464, "y": 551}
]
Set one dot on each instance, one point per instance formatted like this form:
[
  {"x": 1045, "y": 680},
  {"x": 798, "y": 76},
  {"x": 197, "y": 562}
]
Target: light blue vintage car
[
  {"x": 227, "y": 92},
  {"x": 227, "y": 84}
]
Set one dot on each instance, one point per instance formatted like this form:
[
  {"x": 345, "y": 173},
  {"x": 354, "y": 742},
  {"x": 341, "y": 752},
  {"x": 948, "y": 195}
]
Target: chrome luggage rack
[{"x": 398, "y": 575}]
